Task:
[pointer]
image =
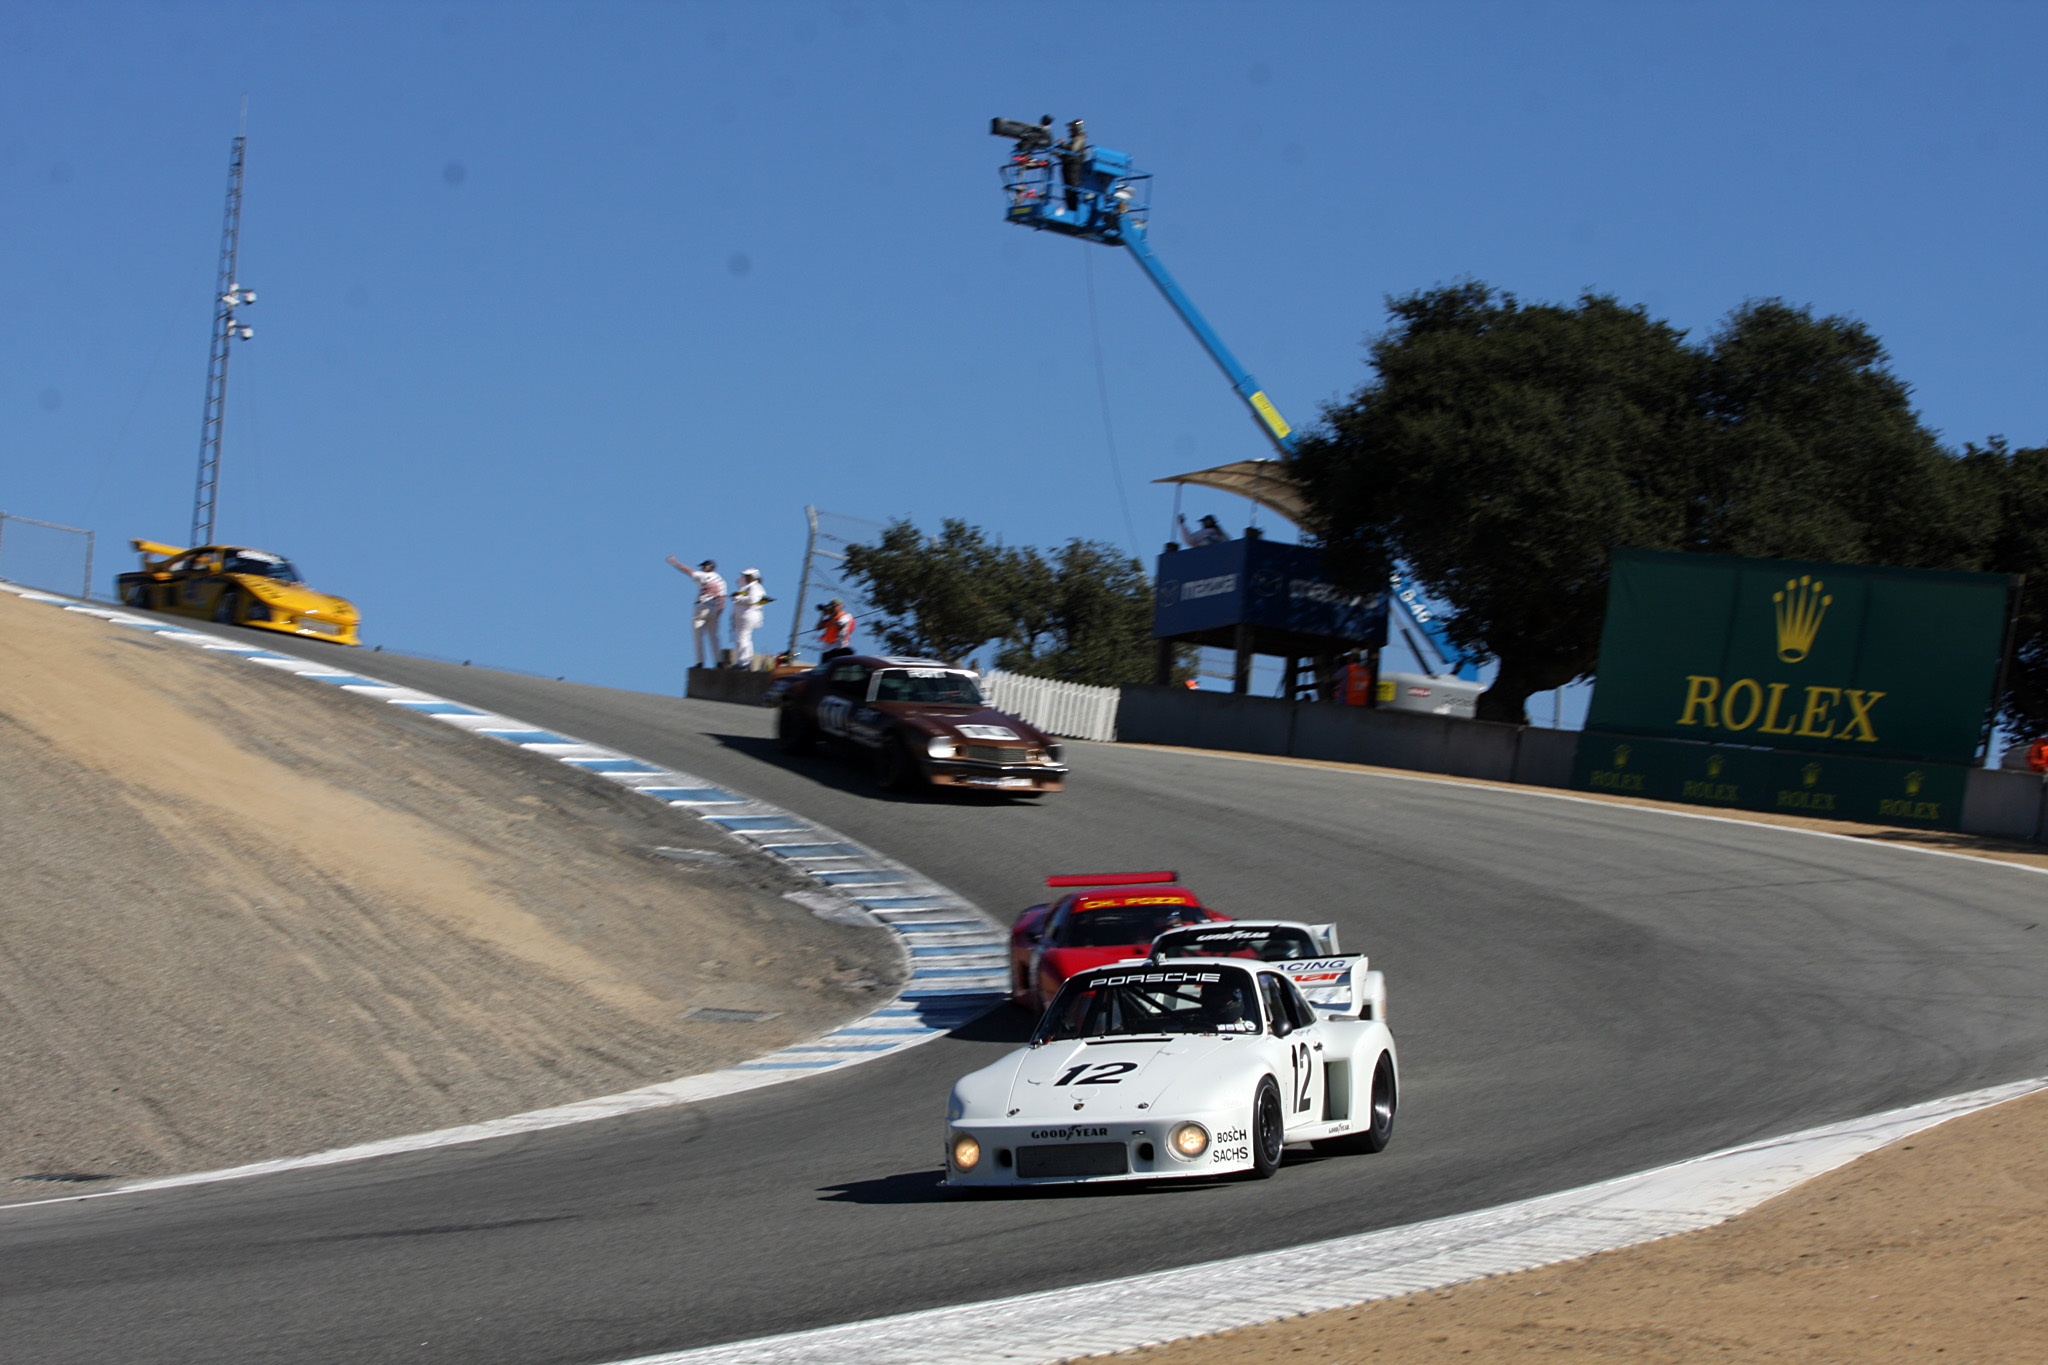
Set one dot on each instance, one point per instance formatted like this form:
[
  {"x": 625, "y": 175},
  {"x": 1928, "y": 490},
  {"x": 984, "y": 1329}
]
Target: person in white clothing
[
  {"x": 710, "y": 602},
  {"x": 747, "y": 600}
]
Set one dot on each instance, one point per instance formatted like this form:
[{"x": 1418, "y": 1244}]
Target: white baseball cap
[{"x": 750, "y": 573}]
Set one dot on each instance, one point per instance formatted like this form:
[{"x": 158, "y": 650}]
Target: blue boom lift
[{"x": 1073, "y": 187}]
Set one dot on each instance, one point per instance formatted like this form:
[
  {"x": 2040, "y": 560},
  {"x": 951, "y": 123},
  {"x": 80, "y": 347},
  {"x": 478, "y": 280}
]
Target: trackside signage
[
  {"x": 1261, "y": 583},
  {"x": 1836, "y": 659}
]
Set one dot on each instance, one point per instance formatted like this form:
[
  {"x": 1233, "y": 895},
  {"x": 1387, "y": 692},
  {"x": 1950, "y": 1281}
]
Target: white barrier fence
[{"x": 1073, "y": 710}]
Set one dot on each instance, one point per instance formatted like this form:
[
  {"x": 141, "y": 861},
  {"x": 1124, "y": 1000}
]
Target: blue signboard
[{"x": 1262, "y": 584}]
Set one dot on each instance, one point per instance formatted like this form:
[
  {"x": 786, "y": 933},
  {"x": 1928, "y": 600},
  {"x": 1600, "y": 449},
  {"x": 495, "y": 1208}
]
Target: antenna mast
[{"x": 228, "y": 296}]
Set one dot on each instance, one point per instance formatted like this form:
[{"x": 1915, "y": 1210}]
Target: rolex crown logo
[
  {"x": 1715, "y": 764},
  {"x": 1800, "y": 607},
  {"x": 1621, "y": 752},
  {"x": 1810, "y": 774},
  {"x": 1915, "y": 780}
]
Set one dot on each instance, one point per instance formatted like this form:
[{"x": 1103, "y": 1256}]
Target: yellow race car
[{"x": 236, "y": 586}]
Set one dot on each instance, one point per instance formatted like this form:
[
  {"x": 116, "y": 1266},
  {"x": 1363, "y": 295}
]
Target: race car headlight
[
  {"x": 967, "y": 1152},
  {"x": 1054, "y": 753},
  {"x": 1189, "y": 1140},
  {"x": 939, "y": 746}
]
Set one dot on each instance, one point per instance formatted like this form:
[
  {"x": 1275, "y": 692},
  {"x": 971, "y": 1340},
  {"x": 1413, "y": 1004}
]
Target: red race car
[{"x": 1115, "y": 916}]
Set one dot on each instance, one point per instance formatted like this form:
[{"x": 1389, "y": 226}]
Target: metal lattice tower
[{"x": 228, "y": 296}]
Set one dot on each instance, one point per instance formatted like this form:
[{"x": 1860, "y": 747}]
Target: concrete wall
[
  {"x": 1346, "y": 734},
  {"x": 728, "y": 684},
  {"x": 2000, "y": 804}
]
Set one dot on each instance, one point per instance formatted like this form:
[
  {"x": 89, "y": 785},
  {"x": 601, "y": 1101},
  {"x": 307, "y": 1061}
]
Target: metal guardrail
[
  {"x": 1072, "y": 710},
  {"x": 90, "y": 538}
]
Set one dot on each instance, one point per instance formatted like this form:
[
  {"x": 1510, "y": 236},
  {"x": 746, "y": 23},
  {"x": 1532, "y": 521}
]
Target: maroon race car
[
  {"x": 1114, "y": 918},
  {"x": 917, "y": 720}
]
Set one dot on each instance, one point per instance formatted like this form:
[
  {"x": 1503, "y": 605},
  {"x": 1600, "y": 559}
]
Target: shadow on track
[
  {"x": 922, "y": 1187},
  {"x": 845, "y": 768}
]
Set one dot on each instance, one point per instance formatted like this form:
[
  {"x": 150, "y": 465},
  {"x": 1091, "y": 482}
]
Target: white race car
[{"x": 1179, "y": 1066}]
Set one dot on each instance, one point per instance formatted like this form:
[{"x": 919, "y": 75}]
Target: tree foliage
[
  {"x": 2018, "y": 479},
  {"x": 1503, "y": 450},
  {"x": 942, "y": 596},
  {"x": 1085, "y": 616},
  {"x": 1080, "y": 613}
]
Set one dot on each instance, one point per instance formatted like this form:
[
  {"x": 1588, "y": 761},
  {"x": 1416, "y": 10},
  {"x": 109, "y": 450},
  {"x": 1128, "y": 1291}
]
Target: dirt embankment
[
  {"x": 247, "y": 916},
  {"x": 1935, "y": 1248}
]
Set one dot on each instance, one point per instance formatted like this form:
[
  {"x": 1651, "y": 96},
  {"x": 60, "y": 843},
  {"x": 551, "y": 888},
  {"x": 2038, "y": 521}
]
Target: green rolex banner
[{"x": 1845, "y": 661}]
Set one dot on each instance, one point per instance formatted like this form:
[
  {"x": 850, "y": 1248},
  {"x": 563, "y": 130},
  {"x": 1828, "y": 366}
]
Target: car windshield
[
  {"x": 1114, "y": 1001},
  {"x": 1266, "y": 942},
  {"x": 262, "y": 565},
  {"x": 935, "y": 686},
  {"x": 1113, "y": 926}
]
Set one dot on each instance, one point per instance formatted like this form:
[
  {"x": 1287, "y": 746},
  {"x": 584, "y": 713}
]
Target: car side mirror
[{"x": 1282, "y": 1026}]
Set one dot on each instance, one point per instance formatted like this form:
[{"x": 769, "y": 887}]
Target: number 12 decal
[
  {"x": 1106, "y": 1073},
  {"x": 1304, "y": 1074}
]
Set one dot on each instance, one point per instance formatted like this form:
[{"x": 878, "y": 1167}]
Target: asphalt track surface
[{"x": 1580, "y": 990}]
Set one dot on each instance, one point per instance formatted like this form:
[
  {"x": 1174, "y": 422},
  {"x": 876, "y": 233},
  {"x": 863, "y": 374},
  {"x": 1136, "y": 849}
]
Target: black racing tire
[
  {"x": 224, "y": 611},
  {"x": 1375, "y": 1136},
  {"x": 794, "y": 732},
  {"x": 136, "y": 595},
  {"x": 895, "y": 769},
  {"x": 1269, "y": 1129}
]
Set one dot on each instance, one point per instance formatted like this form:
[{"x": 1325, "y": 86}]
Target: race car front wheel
[
  {"x": 1269, "y": 1130},
  {"x": 224, "y": 610},
  {"x": 895, "y": 769},
  {"x": 136, "y": 596}
]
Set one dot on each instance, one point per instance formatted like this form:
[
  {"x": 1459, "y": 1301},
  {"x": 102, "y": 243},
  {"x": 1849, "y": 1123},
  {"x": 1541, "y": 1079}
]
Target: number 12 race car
[{"x": 1185, "y": 1065}]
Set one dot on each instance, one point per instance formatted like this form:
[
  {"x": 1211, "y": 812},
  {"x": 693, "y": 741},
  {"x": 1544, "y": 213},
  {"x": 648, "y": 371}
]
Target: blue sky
[{"x": 550, "y": 291}]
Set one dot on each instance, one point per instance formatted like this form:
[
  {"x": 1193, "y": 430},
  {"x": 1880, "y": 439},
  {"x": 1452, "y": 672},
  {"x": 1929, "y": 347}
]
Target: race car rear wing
[
  {"x": 151, "y": 547},
  {"x": 1340, "y": 986},
  {"x": 1270, "y": 939},
  {"x": 1114, "y": 879}
]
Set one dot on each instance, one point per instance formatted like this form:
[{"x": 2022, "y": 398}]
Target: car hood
[
  {"x": 960, "y": 723},
  {"x": 1073, "y": 961},
  {"x": 1108, "y": 1077}
]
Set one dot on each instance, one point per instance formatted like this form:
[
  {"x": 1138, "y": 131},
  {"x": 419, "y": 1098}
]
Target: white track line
[
  {"x": 1146, "y": 1310},
  {"x": 955, "y": 975}
]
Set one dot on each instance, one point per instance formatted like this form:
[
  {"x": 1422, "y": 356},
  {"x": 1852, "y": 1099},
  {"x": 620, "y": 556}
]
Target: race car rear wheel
[
  {"x": 895, "y": 769},
  {"x": 1380, "y": 1111},
  {"x": 1269, "y": 1129},
  {"x": 136, "y": 595},
  {"x": 794, "y": 733}
]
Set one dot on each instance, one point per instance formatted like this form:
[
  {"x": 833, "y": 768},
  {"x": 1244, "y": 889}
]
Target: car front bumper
[
  {"x": 312, "y": 628},
  {"x": 1020, "y": 1156},
  {"x": 1016, "y": 777}
]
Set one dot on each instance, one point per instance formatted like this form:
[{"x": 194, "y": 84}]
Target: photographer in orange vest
[{"x": 835, "y": 629}]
